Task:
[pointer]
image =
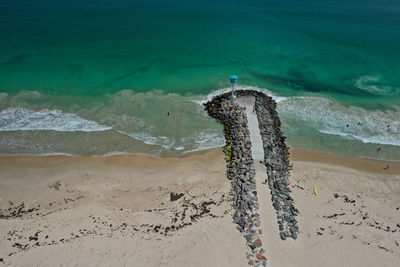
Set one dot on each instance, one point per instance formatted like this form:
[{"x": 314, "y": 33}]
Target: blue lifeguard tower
[{"x": 233, "y": 79}]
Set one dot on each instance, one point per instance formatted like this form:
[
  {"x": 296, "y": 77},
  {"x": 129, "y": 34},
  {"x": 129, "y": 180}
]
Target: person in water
[{"x": 387, "y": 167}]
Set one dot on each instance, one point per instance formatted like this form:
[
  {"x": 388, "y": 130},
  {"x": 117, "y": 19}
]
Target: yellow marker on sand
[{"x": 315, "y": 191}]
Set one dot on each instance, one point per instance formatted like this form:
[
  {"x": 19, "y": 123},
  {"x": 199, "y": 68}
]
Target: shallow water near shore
[
  {"x": 129, "y": 122},
  {"x": 97, "y": 78}
]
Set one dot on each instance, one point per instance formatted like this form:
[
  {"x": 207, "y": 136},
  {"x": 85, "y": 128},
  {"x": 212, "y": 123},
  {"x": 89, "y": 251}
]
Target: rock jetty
[
  {"x": 277, "y": 164},
  {"x": 241, "y": 173},
  {"x": 240, "y": 167}
]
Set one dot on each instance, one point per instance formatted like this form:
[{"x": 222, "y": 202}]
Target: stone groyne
[
  {"x": 276, "y": 160},
  {"x": 240, "y": 163},
  {"x": 241, "y": 173}
]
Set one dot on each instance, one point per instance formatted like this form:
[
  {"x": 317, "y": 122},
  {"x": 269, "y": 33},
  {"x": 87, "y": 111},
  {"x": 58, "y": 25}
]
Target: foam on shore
[
  {"x": 143, "y": 118},
  {"x": 22, "y": 119}
]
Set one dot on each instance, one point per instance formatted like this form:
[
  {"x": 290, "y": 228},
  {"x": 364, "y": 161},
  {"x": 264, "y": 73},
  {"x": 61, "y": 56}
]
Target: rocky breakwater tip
[
  {"x": 241, "y": 173},
  {"x": 277, "y": 165}
]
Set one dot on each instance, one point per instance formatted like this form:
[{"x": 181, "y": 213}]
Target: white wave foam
[
  {"x": 17, "y": 119},
  {"x": 208, "y": 139},
  {"x": 366, "y": 140},
  {"x": 321, "y": 114},
  {"x": 328, "y": 117},
  {"x": 373, "y": 84},
  {"x": 215, "y": 93},
  {"x": 203, "y": 140},
  {"x": 149, "y": 139}
]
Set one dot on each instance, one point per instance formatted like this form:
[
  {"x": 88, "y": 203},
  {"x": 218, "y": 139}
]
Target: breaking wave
[
  {"x": 143, "y": 117},
  {"x": 215, "y": 93},
  {"x": 202, "y": 140},
  {"x": 329, "y": 117},
  {"x": 22, "y": 119}
]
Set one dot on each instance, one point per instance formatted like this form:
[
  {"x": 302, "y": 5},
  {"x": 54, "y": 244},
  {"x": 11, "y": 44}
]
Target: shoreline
[
  {"x": 369, "y": 165},
  {"x": 116, "y": 210}
]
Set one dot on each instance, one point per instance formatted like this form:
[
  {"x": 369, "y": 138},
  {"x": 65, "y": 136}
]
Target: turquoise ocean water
[{"x": 98, "y": 77}]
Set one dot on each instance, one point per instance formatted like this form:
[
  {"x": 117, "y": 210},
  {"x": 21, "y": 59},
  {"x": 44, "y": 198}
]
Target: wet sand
[{"x": 361, "y": 164}]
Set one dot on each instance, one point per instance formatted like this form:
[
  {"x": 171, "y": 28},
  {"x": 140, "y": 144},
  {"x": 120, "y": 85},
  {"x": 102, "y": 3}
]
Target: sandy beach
[
  {"x": 190, "y": 133},
  {"x": 139, "y": 210}
]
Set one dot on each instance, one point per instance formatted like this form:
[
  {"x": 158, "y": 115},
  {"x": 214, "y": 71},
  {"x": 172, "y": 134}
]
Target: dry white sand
[
  {"x": 117, "y": 211},
  {"x": 351, "y": 222}
]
